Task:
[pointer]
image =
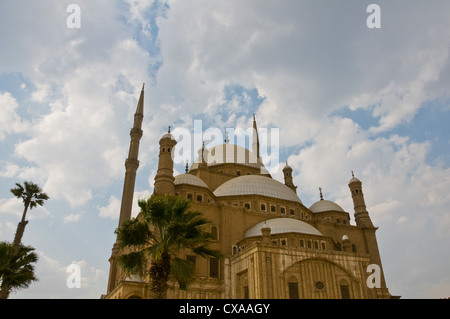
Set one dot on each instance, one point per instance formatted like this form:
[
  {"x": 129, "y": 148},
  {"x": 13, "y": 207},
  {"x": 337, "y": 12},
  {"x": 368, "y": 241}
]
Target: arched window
[{"x": 263, "y": 207}]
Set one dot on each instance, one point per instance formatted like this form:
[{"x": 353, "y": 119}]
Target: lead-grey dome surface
[
  {"x": 256, "y": 185},
  {"x": 325, "y": 206},
  {"x": 281, "y": 226},
  {"x": 190, "y": 180}
]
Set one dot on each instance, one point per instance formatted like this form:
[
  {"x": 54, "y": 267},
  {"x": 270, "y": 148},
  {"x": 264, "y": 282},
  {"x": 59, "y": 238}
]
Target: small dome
[
  {"x": 168, "y": 135},
  {"x": 281, "y": 226},
  {"x": 354, "y": 179},
  {"x": 324, "y": 205},
  {"x": 256, "y": 185},
  {"x": 190, "y": 180}
]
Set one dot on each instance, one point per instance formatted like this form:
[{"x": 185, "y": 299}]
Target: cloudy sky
[{"x": 343, "y": 96}]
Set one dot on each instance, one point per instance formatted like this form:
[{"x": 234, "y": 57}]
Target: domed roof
[
  {"x": 283, "y": 225},
  {"x": 324, "y": 205},
  {"x": 190, "y": 180},
  {"x": 256, "y": 185},
  {"x": 168, "y": 135},
  {"x": 354, "y": 179},
  {"x": 229, "y": 153}
]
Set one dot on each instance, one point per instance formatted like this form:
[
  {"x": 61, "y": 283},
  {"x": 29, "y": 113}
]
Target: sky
[{"x": 343, "y": 96}]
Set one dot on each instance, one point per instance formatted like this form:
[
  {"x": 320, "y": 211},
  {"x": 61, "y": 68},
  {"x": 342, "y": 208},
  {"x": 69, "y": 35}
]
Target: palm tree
[
  {"x": 162, "y": 230},
  {"x": 31, "y": 195},
  {"x": 16, "y": 268}
]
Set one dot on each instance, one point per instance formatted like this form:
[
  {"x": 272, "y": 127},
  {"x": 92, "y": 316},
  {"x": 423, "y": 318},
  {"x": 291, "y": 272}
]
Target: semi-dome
[
  {"x": 283, "y": 225},
  {"x": 324, "y": 205},
  {"x": 190, "y": 180},
  {"x": 230, "y": 153},
  {"x": 256, "y": 185}
]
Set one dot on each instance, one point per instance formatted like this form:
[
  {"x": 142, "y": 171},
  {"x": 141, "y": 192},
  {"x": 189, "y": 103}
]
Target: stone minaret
[
  {"x": 132, "y": 162},
  {"x": 363, "y": 221},
  {"x": 362, "y": 218},
  {"x": 164, "y": 179},
  {"x": 131, "y": 166}
]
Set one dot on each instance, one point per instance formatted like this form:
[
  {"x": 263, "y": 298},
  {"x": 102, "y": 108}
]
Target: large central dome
[
  {"x": 229, "y": 153},
  {"x": 256, "y": 185}
]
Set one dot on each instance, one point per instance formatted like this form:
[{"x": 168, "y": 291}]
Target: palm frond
[
  {"x": 17, "y": 269},
  {"x": 133, "y": 263},
  {"x": 133, "y": 233},
  {"x": 206, "y": 252},
  {"x": 183, "y": 272}
]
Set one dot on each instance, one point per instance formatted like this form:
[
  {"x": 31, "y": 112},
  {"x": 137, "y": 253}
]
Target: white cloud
[
  {"x": 10, "y": 121},
  {"x": 112, "y": 210},
  {"x": 78, "y": 147},
  {"x": 72, "y": 218},
  {"x": 15, "y": 207}
]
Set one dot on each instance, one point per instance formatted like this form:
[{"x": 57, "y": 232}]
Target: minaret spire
[
  {"x": 132, "y": 162},
  {"x": 255, "y": 143}
]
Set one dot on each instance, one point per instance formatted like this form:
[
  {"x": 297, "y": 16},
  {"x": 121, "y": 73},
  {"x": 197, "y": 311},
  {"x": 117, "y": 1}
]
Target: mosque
[{"x": 273, "y": 246}]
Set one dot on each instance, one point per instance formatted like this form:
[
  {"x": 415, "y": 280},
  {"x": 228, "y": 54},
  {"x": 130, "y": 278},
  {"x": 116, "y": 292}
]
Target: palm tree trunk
[
  {"x": 159, "y": 274},
  {"x": 4, "y": 292},
  {"x": 20, "y": 228}
]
